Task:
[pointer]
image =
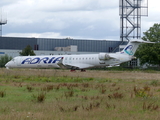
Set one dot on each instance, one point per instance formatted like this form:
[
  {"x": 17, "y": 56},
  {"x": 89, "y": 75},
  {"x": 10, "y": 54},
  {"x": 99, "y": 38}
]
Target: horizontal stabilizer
[{"x": 140, "y": 41}]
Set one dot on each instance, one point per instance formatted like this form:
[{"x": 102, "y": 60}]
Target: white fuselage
[
  {"x": 68, "y": 61},
  {"x": 77, "y": 61}
]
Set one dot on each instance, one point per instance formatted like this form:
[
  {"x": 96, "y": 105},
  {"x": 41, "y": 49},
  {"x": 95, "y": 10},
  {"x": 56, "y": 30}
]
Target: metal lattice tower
[
  {"x": 2, "y": 22},
  {"x": 131, "y": 12}
]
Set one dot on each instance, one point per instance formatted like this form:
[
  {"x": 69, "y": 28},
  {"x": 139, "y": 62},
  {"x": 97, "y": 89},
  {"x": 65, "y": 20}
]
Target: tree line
[
  {"x": 25, "y": 52},
  {"x": 150, "y": 53}
]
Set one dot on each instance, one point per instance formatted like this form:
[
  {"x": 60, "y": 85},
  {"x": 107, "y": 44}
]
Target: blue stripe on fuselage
[{"x": 38, "y": 60}]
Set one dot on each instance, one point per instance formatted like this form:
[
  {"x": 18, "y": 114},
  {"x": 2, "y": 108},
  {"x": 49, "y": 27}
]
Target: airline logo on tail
[{"x": 128, "y": 50}]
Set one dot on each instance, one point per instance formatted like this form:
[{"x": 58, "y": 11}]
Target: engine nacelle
[{"x": 103, "y": 56}]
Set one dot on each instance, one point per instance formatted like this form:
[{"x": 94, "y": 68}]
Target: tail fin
[{"x": 132, "y": 46}]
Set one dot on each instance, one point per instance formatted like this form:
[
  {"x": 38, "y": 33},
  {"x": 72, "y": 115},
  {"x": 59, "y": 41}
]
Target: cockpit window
[{"x": 13, "y": 59}]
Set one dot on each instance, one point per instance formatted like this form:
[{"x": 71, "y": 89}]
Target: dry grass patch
[
  {"x": 2, "y": 93},
  {"x": 60, "y": 94}
]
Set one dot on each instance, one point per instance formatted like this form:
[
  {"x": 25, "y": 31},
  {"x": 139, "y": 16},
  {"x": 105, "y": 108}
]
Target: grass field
[{"x": 47, "y": 94}]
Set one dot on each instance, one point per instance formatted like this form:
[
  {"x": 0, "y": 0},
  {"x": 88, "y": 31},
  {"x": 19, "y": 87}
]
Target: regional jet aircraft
[{"x": 75, "y": 62}]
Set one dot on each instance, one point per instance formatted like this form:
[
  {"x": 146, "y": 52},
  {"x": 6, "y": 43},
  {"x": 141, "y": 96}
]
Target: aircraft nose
[{"x": 7, "y": 65}]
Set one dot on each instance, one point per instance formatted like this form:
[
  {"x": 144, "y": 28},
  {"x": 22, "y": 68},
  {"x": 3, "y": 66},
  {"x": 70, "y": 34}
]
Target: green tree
[
  {"x": 27, "y": 51},
  {"x": 4, "y": 59},
  {"x": 150, "y": 53}
]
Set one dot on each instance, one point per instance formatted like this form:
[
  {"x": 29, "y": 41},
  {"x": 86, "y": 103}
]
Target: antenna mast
[
  {"x": 2, "y": 22},
  {"x": 130, "y": 13}
]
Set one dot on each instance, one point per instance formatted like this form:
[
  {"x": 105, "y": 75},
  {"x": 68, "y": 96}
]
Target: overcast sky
[{"x": 79, "y": 19}]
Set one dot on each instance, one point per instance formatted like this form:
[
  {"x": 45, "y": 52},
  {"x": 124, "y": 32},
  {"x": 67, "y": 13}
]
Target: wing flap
[
  {"x": 74, "y": 66},
  {"x": 78, "y": 66}
]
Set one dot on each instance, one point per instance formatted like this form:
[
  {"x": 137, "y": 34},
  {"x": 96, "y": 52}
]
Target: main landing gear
[
  {"x": 82, "y": 70},
  {"x": 73, "y": 70}
]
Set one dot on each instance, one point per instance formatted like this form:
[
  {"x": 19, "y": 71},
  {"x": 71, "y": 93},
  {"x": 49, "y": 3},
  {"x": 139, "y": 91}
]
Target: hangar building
[{"x": 50, "y": 46}]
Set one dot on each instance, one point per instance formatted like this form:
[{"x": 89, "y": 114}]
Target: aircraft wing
[{"x": 75, "y": 66}]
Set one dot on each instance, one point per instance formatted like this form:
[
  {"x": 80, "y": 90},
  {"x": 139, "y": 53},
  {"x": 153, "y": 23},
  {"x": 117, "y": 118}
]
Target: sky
[{"x": 77, "y": 19}]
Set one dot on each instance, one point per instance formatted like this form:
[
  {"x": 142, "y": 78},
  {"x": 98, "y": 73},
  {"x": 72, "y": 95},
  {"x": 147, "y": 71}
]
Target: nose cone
[{"x": 7, "y": 65}]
